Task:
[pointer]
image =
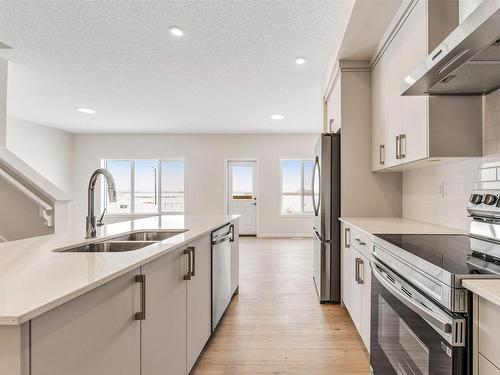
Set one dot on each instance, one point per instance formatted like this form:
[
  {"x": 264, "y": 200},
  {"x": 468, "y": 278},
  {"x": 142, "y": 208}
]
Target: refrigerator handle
[{"x": 316, "y": 167}]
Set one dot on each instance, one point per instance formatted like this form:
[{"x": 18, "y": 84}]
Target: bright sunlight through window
[{"x": 147, "y": 186}]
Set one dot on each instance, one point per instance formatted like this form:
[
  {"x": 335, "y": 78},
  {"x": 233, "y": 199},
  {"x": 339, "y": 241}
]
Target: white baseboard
[{"x": 284, "y": 235}]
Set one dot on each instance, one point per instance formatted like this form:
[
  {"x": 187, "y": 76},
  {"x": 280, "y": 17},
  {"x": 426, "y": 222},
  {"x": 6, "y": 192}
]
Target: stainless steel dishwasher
[{"x": 221, "y": 271}]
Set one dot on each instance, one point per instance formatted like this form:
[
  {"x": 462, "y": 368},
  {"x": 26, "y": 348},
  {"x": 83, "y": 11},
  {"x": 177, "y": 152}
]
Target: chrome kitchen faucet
[{"x": 91, "y": 222}]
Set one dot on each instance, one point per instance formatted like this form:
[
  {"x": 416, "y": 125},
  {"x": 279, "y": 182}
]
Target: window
[
  {"x": 296, "y": 193},
  {"x": 147, "y": 186}
]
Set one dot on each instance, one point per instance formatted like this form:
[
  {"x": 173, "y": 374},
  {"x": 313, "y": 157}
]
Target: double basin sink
[{"x": 123, "y": 242}]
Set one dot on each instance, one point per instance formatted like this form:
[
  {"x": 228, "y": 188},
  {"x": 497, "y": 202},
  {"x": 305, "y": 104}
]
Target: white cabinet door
[
  {"x": 392, "y": 109},
  {"x": 356, "y": 309},
  {"x": 235, "y": 258},
  {"x": 93, "y": 334},
  {"x": 378, "y": 153},
  {"x": 366, "y": 302},
  {"x": 414, "y": 108},
  {"x": 199, "y": 299},
  {"x": 164, "y": 329},
  {"x": 347, "y": 275}
]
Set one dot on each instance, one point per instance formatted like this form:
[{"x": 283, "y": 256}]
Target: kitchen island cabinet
[
  {"x": 92, "y": 334},
  {"x": 153, "y": 319}
]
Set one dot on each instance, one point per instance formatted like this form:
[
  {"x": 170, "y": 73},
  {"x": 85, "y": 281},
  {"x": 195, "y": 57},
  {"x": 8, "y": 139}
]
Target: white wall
[
  {"x": 19, "y": 216},
  {"x": 466, "y": 7},
  {"x": 205, "y": 158},
  {"x": 47, "y": 150},
  {"x": 440, "y": 194}
]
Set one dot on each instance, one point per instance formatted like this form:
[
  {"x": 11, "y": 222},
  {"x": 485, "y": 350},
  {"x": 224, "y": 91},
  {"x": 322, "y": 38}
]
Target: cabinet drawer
[
  {"x": 361, "y": 241},
  {"x": 489, "y": 331},
  {"x": 486, "y": 367}
]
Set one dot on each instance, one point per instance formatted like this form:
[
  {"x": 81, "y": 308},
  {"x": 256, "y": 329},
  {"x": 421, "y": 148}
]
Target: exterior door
[{"x": 242, "y": 197}]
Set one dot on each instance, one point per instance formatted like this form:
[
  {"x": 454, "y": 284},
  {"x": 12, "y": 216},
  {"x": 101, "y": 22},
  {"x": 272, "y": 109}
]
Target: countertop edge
[
  {"x": 477, "y": 287},
  {"x": 400, "y": 225}
]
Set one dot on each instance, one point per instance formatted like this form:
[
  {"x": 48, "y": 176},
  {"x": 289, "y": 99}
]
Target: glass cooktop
[{"x": 455, "y": 253}]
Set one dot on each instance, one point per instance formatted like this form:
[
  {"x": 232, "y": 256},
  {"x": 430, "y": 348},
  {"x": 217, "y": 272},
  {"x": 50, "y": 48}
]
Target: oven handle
[{"x": 410, "y": 303}]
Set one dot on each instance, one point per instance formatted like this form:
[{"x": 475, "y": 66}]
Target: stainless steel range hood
[{"x": 467, "y": 62}]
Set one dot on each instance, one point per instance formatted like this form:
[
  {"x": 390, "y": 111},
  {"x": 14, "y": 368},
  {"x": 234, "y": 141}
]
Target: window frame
[
  {"x": 132, "y": 212},
  {"x": 302, "y": 213}
]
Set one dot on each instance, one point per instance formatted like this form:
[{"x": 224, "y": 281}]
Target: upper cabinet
[{"x": 413, "y": 130}]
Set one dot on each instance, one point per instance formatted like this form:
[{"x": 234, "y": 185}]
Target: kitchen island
[{"x": 109, "y": 312}]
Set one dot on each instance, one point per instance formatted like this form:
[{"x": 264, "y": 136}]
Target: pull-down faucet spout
[{"x": 91, "y": 223}]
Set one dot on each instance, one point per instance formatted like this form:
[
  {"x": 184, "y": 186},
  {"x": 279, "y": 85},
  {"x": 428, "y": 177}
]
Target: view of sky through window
[
  {"x": 296, "y": 195},
  {"x": 158, "y": 186}
]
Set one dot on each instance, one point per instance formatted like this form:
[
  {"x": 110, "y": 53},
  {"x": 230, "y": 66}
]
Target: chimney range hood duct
[{"x": 467, "y": 62}]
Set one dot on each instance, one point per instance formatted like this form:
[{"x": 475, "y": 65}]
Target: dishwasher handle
[{"x": 229, "y": 236}]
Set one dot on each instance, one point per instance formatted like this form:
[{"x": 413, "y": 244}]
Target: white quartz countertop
[
  {"x": 487, "y": 289},
  {"x": 35, "y": 279},
  {"x": 396, "y": 225}
]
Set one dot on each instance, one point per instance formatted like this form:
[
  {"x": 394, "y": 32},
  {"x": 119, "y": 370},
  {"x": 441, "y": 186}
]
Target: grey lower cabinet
[
  {"x": 164, "y": 326},
  {"x": 94, "y": 334},
  {"x": 98, "y": 333},
  {"x": 178, "y": 309},
  {"x": 199, "y": 300}
]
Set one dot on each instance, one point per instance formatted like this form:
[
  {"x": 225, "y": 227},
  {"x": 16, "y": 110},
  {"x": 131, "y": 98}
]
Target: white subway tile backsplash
[{"x": 439, "y": 194}]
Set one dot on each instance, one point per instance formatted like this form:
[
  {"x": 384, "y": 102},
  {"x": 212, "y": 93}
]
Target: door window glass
[
  {"x": 242, "y": 182},
  {"x": 404, "y": 350}
]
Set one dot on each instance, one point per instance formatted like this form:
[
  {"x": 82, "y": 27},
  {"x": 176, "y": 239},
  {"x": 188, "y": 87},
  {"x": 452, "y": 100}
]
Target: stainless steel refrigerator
[{"x": 326, "y": 227}]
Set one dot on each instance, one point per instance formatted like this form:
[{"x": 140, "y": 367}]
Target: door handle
[
  {"x": 141, "y": 315},
  {"x": 189, "y": 254},
  {"x": 253, "y": 204},
  {"x": 398, "y": 145},
  {"x": 382, "y": 155},
  {"x": 316, "y": 166}
]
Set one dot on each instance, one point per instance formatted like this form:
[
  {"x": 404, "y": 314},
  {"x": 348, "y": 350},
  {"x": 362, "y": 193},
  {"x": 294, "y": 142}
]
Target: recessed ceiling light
[
  {"x": 176, "y": 31},
  {"x": 88, "y": 111},
  {"x": 277, "y": 117},
  {"x": 300, "y": 60}
]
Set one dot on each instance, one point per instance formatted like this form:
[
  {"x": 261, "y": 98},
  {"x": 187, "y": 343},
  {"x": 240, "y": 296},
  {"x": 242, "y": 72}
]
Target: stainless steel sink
[
  {"x": 107, "y": 247},
  {"x": 148, "y": 235},
  {"x": 125, "y": 242}
]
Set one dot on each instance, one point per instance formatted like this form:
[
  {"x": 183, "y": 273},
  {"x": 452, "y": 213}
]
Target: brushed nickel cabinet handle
[
  {"x": 141, "y": 315},
  {"x": 382, "y": 155},
  {"x": 360, "y": 242},
  {"x": 398, "y": 146},
  {"x": 361, "y": 272},
  {"x": 402, "y": 141},
  {"x": 356, "y": 270},
  {"x": 347, "y": 232},
  {"x": 357, "y": 263},
  {"x": 193, "y": 257},
  {"x": 188, "y": 252}
]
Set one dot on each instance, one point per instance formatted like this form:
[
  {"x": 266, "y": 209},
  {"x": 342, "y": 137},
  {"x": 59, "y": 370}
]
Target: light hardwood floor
[{"x": 276, "y": 324}]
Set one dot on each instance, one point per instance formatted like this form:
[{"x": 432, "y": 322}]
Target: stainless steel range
[{"x": 420, "y": 313}]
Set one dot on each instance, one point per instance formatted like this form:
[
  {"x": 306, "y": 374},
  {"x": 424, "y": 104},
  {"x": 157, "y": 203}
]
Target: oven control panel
[{"x": 484, "y": 203}]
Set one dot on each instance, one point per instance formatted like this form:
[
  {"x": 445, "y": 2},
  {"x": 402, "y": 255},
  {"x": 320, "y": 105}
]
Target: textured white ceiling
[{"x": 232, "y": 69}]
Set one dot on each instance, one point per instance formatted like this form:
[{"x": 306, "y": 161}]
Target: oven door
[{"x": 409, "y": 333}]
